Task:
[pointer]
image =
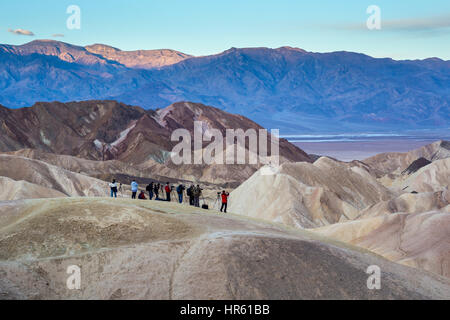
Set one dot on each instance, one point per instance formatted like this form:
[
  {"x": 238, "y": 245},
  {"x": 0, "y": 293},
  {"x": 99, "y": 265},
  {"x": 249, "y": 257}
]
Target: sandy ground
[{"x": 360, "y": 150}]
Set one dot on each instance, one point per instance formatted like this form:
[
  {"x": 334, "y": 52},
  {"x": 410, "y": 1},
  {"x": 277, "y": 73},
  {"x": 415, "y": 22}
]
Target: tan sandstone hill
[
  {"x": 433, "y": 177},
  {"x": 152, "y": 250},
  {"x": 420, "y": 240},
  {"x": 16, "y": 190},
  {"x": 308, "y": 195},
  {"x": 44, "y": 175},
  {"x": 396, "y": 163},
  {"x": 409, "y": 203}
]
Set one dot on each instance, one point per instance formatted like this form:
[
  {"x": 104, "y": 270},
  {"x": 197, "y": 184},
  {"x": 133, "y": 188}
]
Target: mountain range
[{"x": 286, "y": 88}]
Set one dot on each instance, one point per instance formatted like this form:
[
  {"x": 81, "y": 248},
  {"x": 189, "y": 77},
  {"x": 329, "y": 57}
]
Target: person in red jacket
[
  {"x": 168, "y": 190},
  {"x": 224, "y": 196},
  {"x": 142, "y": 196}
]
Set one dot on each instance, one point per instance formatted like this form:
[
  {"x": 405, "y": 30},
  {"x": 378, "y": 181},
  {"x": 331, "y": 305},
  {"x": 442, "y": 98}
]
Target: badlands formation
[
  {"x": 309, "y": 195},
  {"x": 154, "y": 250},
  {"x": 122, "y": 139},
  {"x": 391, "y": 210},
  {"x": 388, "y": 204}
]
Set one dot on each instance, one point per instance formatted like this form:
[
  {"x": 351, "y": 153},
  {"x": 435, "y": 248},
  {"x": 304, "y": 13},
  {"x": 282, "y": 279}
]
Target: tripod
[{"x": 217, "y": 201}]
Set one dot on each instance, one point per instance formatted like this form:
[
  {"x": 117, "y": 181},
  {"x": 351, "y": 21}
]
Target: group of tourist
[{"x": 155, "y": 189}]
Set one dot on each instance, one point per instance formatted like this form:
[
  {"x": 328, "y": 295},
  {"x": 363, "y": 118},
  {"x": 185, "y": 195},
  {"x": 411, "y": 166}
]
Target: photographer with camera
[
  {"x": 224, "y": 196},
  {"x": 168, "y": 190},
  {"x": 180, "y": 190},
  {"x": 190, "y": 194},
  {"x": 149, "y": 189},
  {"x": 197, "y": 192}
]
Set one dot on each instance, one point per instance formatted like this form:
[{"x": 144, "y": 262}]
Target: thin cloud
[
  {"x": 57, "y": 35},
  {"x": 21, "y": 32},
  {"x": 432, "y": 24},
  {"x": 424, "y": 24}
]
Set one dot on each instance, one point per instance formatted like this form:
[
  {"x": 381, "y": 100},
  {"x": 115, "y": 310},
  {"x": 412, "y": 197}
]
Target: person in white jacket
[
  {"x": 113, "y": 187},
  {"x": 134, "y": 189}
]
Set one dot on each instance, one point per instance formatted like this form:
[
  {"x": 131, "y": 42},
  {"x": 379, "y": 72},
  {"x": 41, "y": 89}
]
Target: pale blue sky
[{"x": 410, "y": 29}]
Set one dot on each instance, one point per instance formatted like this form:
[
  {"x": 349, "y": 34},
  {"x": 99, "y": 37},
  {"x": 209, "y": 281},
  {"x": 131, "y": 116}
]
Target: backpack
[
  {"x": 179, "y": 190},
  {"x": 167, "y": 189},
  {"x": 189, "y": 192},
  {"x": 196, "y": 192},
  {"x": 205, "y": 206}
]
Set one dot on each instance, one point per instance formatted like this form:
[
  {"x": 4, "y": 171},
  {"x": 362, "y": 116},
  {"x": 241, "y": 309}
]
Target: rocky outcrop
[{"x": 416, "y": 165}]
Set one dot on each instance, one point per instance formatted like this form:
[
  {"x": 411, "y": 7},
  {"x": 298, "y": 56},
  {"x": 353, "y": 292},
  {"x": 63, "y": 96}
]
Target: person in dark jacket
[
  {"x": 180, "y": 190},
  {"x": 197, "y": 192},
  {"x": 149, "y": 189},
  {"x": 156, "y": 190},
  {"x": 190, "y": 194}
]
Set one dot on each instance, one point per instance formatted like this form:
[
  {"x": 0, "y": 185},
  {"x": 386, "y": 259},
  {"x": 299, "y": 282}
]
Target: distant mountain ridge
[
  {"x": 98, "y": 54},
  {"x": 286, "y": 88}
]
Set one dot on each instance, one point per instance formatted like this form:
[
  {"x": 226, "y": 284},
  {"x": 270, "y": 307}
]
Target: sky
[{"x": 410, "y": 29}]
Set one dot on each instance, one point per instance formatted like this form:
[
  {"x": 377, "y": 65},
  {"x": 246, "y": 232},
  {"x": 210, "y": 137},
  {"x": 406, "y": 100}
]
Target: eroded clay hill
[
  {"x": 37, "y": 179},
  {"x": 406, "y": 223},
  {"x": 395, "y": 162},
  {"x": 308, "y": 195},
  {"x": 418, "y": 240},
  {"x": 151, "y": 250}
]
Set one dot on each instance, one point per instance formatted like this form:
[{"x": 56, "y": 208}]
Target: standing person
[
  {"x": 197, "y": 194},
  {"x": 149, "y": 189},
  {"x": 168, "y": 190},
  {"x": 113, "y": 187},
  {"x": 134, "y": 189},
  {"x": 180, "y": 190},
  {"x": 156, "y": 190},
  {"x": 190, "y": 194},
  {"x": 225, "y": 196}
]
